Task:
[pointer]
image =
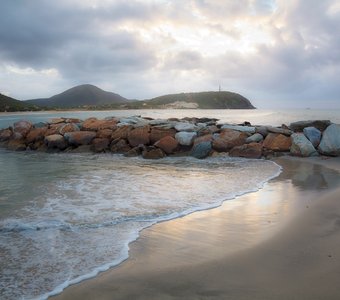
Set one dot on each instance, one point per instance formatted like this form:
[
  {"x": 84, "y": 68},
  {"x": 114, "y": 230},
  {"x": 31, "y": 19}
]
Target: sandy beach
[{"x": 281, "y": 242}]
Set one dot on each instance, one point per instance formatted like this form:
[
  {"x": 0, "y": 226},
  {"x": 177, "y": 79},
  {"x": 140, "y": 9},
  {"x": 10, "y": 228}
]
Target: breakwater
[{"x": 158, "y": 138}]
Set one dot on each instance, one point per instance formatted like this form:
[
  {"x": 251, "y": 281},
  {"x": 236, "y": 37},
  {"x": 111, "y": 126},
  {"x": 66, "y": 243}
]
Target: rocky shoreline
[{"x": 158, "y": 138}]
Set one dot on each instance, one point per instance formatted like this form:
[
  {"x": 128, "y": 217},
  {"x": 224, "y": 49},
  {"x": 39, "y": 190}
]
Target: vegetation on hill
[{"x": 8, "y": 104}]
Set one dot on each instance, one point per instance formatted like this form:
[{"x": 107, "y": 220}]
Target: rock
[
  {"x": 330, "y": 141},
  {"x": 185, "y": 126},
  {"x": 120, "y": 146},
  {"x": 69, "y": 127},
  {"x": 313, "y": 134},
  {"x": 100, "y": 144},
  {"x": 279, "y": 130},
  {"x": 168, "y": 144},
  {"x": 78, "y": 138},
  {"x": 139, "y": 136},
  {"x": 248, "y": 129},
  {"x": 93, "y": 124},
  {"x": 5, "y": 135},
  {"x": 73, "y": 120},
  {"x": 55, "y": 141},
  {"x": 82, "y": 149},
  {"x": 23, "y": 127},
  {"x": 40, "y": 125},
  {"x": 228, "y": 139},
  {"x": 153, "y": 153},
  {"x": 16, "y": 145},
  {"x": 57, "y": 120},
  {"x": 36, "y": 134},
  {"x": 121, "y": 132},
  {"x": 277, "y": 142},
  {"x": 201, "y": 150},
  {"x": 185, "y": 138},
  {"x": 255, "y": 138},
  {"x": 203, "y": 138},
  {"x": 136, "y": 151},
  {"x": 134, "y": 120},
  {"x": 301, "y": 146},
  {"x": 104, "y": 133},
  {"x": 262, "y": 130},
  {"x": 158, "y": 133},
  {"x": 300, "y": 125},
  {"x": 252, "y": 150}
]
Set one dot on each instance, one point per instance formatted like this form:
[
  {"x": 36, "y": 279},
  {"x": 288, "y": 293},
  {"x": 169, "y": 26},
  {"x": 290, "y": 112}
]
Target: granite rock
[
  {"x": 313, "y": 134},
  {"x": 301, "y": 146},
  {"x": 330, "y": 141}
]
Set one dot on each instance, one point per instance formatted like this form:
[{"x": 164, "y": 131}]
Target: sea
[{"x": 66, "y": 217}]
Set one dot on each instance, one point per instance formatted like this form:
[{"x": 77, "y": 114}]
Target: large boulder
[
  {"x": 185, "y": 138},
  {"x": 168, "y": 144},
  {"x": 36, "y": 134},
  {"x": 284, "y": 131},
  {"x": 120, "y": 146},
  {"x": 313, "y": 134},
  {"x": 252, "y": 150},
  {"x": 185, "y": 126},
  {"x": 153, "y": 153},
  {"x": 277, "y": 142},
  {"x": 78, "y": 138},
  {"x": 16, "y": 145},
  {"x": 158, "y": 133},
  {"x": 23, "y": 127},
  {"x": 100, "y": 144},
  {"x": 68, "y": 127},
  {"x": 201, "y": 150},
  {"x": 93, "y": 124},
  {"x": 55, "y": 141},
  {"x": 255, "y": 138},
  {"x": 138, "y": 136},
  {"x": 228, "y": 139},
  {"x": 104, "y": 133},
  {"x": 330, "y": 141},
  {"x": 301, "y": 146},
  {"x": 248, "y": 129},
  {"x": 204, "y": 138},
  {"x": 300, "y": 125},
  {"x": 5, "y": 134},
  {"x": 121, "y": 132}
]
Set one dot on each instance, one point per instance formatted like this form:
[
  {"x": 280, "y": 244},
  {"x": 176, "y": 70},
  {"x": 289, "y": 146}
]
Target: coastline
[{"x": 220, "y": 252}]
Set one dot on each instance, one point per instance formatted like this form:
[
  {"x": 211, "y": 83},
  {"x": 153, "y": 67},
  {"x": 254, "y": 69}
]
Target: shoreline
[{"x": 159, "y": 251}]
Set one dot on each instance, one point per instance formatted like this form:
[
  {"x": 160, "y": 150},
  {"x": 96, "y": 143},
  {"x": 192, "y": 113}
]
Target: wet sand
[{"x": 282, "y": 242}]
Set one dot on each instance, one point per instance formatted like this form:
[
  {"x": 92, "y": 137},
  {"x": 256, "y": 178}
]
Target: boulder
[
  {"x": 185, "y": 138},
  {"x": 57, "y": 120},
  {"x": 248, "y": 129},
  {"x": 313, "y": 134},
  {"x": 158, "y": 133},
  {"x": 201, "y": 150},
  {"x": 284, "y": 131},
  {"x": 93, "y": 124},
  {"x": 36, "y": 134},
  {"x": 330, "y": 141},
  {"x": 255, "y": 138},
  {"x": 185, "y": 126},
  {"x": 16, "y": 145},
  {"x": 252, "y": 150},
  {"x": 137, "y": 121},
  {"x": 73, "y": 120},
  {"x": 5, "y": 134},
  {"x": 40, "y": 125},
  {"x": 68, "y": 127},
  {"x": 262, "y": 130},
  {"x": 203, "y": 138},
  {"x": 136, "y": 151},
  {"x": 277, "y": 142},
  {"x": 168, "y": 144},
  {"x": 78, "y": 138},
  {"x": 121, "y": 132},
  {"x": 104, "y": 133},
  {"x": 100, "y": 144},
  {"x": 228, "y": 139},
  {"x": 55, "y": 141},
  {"x": 153, "y": 153},
  {"x": 120, "y": 146},
  {"x": 23, "y": 127},
  {"x": 300, "y": 125},
  {"x": 140, "y": 135},
  {"x": 301, "y": 146}
]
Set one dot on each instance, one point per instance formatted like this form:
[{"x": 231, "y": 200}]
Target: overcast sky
[{"x": 283, "y": 53}]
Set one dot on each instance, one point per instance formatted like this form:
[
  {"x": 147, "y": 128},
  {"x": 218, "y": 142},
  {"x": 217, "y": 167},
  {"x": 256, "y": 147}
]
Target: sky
[{"x": 277, "y": 53}]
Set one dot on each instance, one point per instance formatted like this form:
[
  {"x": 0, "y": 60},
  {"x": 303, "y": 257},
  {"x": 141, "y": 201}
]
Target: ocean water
[{"x": 66, "y": 217}]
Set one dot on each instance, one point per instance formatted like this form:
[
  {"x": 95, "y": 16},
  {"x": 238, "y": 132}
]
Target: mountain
[
  {"x": 10, "y": 104},
  {"x": 79, "y": 97},
  {"x": 203, "y": 100}
]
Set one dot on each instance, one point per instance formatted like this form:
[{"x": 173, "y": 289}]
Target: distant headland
[{"x": 90, "y": 97}]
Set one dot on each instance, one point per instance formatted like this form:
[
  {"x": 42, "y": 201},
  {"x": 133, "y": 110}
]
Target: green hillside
[{"x": 9, "y": 104}]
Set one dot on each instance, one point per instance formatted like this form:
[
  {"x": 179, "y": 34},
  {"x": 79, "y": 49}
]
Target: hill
[
  {"x": 203, "y": 100},
  {"x": 79, "y": 97},
  {"x": 10, "y": 104}
]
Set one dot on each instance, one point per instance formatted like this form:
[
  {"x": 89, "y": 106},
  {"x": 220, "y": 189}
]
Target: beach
[{"x": 291, "y": 253}]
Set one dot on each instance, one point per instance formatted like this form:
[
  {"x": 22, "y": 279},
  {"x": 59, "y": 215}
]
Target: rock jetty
[{"x": 158, "y": 138}]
